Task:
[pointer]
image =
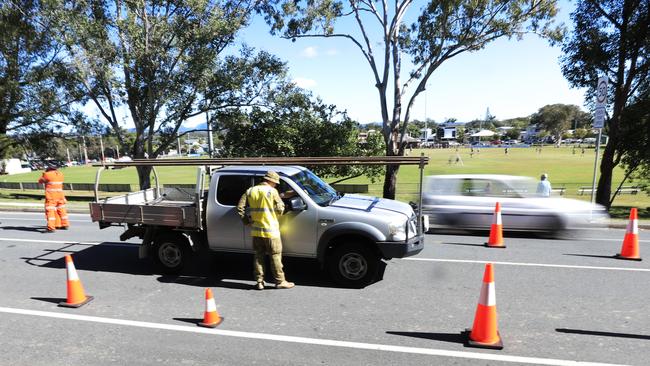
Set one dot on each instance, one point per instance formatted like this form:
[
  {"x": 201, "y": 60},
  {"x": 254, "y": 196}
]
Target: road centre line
[
  {"x": 131, "y": 245},
  {"x": 42, "y": 220},
  {"x": 527, "y": 264},
  {"x": 301, "y": 340}
]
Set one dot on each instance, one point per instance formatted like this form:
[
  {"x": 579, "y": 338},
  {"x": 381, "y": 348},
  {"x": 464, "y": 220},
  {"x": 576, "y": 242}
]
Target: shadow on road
[
  {"x": 442, "y": 337},
  {"x": 32, "y": 229},
  {"x": 205, "y": 269},
  {"x": 603, "y": 334},
  {"x": 590, "y": 255}
]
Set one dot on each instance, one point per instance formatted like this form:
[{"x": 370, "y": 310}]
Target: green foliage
[
  {"x": 444, "y": 29},
  {"x": 163, "y": 60},
  {"x": 611, "y": 38},
  {"x": 556, "y": 119},
  {"x": 33, "y": 75},
  {"x": 299, "y": 126}
]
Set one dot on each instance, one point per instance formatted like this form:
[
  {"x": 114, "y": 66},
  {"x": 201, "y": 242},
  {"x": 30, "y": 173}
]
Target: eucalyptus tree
[
  {"x": 556, "y": 119},
  {"x": 159, "y": 63},
  {"x": 33, "y": 76},
  {"x": 402, "y": 57},
  {"x": 611, "y": 38}
]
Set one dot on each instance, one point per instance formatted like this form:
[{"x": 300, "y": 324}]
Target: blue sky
[{"x": 511, "y": 78}]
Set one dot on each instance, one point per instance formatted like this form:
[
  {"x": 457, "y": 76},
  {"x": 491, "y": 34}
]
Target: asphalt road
[{"x": 558, "y": 302}]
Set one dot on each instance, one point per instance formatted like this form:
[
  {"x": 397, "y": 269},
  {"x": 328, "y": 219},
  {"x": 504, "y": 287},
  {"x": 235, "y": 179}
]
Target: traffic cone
[
  {"x": 496, "y": 230},
  {"x": 484, "y": 333},
  {"x": 76, "y": 294},
  {"x": 211, "y": 317},
  {"x": 630, "y": 248}
]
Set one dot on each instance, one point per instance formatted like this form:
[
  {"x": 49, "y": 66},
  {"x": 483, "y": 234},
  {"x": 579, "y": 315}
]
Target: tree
[
  {"x": 161, "y": 63},
  {"x": 611, "y": 38},
  {"x": 444, "y": 29},
  {"x": 556, "y": 119},
  {"x": 296, "y": 125},
  {"x": 635, "y": 132},
  {"x": 33, "y": 76}
]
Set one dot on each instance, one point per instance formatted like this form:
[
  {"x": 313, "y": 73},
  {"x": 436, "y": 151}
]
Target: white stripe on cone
[
  {"x": 633, "y": 226},
  {"x": 72, "y": 272},
  {"x": 210, "y": 305},
  {"x": 488, "y": 295},
  {"x": 497, "y": 218}
]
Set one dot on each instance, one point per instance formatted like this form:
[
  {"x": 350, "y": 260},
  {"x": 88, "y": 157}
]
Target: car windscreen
[{"x": 319, "y": 191}]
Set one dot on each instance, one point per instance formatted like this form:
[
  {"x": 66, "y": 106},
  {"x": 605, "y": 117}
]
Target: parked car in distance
[{"x": 467, "y": 202}]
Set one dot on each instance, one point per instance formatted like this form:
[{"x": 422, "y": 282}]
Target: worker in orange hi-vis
[{"x": 55, "y": 212}]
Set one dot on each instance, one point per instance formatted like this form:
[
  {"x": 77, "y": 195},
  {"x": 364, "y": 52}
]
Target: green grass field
[{"x": 565, "y": 169}]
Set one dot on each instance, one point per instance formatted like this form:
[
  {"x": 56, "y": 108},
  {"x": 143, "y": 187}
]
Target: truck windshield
[{"x": 317, "y": 190}]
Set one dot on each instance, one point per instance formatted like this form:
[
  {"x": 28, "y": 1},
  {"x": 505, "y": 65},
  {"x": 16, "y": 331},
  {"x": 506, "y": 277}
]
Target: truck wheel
[
  {"x": 170, "y": 254},
  {"x": 353, "y": 265}
]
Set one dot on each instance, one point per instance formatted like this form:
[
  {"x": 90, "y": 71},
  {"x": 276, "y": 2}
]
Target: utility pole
[
  {"x": 178, "y": 142},
  {"x": 117, "y": 151}
]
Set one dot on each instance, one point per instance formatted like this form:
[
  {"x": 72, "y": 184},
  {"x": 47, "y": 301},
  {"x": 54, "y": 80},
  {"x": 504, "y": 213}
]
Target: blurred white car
[{"x": 467, "y": 202}]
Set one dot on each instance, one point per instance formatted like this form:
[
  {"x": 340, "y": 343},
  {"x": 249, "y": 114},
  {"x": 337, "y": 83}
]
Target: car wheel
[
  {"x": 353, "y": 265},
  {"x": 170, "y": 254}
]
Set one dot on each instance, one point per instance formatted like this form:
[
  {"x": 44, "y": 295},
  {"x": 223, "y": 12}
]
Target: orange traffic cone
[
  {"x": 210, "y": 318},
  {"x": 76, "y": 294},
  {"x": 496, "y": 230},
  {"x": 484, "y": 333},
  {"x": 630, "y": 248}
]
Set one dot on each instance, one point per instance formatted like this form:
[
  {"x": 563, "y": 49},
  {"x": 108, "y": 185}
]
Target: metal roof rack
[{"x": 310, "y": 161}]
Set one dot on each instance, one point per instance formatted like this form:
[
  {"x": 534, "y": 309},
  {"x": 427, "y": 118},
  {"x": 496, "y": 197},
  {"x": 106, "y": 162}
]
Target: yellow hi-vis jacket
[{"x": 264, "y": 205}]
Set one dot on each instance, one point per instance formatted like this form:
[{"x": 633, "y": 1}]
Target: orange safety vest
[{"x": 53, "y": 180}]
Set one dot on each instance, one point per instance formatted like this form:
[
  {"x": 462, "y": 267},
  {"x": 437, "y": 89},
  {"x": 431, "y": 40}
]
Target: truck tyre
[
  {"x": 353, "y": 265},
  {"x": 170, "y": 253}
]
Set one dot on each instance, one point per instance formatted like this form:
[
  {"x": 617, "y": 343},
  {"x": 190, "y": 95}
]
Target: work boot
[
  {"x": 285, "y": 284},
  {"x": 50, "y": 231},
  {"x": 63, "y": 228},
  {"x": 259, "y": 286}
]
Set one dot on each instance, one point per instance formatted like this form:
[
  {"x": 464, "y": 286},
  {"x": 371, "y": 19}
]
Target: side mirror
[{"x": 296, "y": 204}]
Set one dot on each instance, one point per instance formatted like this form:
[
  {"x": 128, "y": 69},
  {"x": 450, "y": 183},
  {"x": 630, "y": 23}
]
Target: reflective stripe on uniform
[
  {"x": 53, "y": 189},
  {"x": 54, "y": 183}
]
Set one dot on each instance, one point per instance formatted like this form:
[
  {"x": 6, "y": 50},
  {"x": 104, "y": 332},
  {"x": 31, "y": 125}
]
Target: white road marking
[
  {"x": 302, "y": 340},
  {"x": 43, "y": 219},
  {"x": 527, "y": 264},
  {"x": 605, "y": 239},
  {"x": 38, "y": 213}
]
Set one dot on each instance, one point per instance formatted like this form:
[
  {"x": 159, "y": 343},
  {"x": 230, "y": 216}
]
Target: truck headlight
[{"x": 397, "y": 230}]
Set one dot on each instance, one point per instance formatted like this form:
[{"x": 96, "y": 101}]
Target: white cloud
[
  {"x": 332, "y": 52},
  {"x": 304, "y": 83},
  {"x": 309, "y": 52}
]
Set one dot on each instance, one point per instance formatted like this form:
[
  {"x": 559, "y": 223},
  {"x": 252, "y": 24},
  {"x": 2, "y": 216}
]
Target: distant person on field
[
  {"x": 55, "y": 212},
  {"x": 544, "y": 186},
  {"x": 265, "y": 206}
]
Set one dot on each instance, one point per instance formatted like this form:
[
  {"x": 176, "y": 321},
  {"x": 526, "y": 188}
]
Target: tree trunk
[
  {"x": 607, "y": 165},
  {"x": 390, "y": 180},
  {"x": 144, "y": 177}
]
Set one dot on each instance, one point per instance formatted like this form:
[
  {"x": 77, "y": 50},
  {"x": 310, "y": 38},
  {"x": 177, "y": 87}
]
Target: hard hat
[{"x": 272, "y": 177}]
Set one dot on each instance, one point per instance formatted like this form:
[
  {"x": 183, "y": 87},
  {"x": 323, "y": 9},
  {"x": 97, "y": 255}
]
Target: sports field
[{"x": 565, "y": 166}]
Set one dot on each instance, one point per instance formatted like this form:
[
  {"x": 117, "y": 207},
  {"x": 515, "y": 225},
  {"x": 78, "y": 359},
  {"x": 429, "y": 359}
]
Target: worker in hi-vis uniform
[
  {"x": 55, "y": 212},
  {"x": 264, "y": 206}
]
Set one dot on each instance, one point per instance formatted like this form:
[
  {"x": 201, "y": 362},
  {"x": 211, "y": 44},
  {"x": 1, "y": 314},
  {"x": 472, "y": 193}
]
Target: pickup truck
[{"x": 348, "y": 234}]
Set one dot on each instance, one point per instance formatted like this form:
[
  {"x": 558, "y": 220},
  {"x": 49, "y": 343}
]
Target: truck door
[
  {"x": 298, "y": 229},
  {"x": 226, "y": 229}
]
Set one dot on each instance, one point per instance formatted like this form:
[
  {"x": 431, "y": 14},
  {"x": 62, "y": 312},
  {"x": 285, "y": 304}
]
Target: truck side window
[{"x": 231, "y": 187}]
